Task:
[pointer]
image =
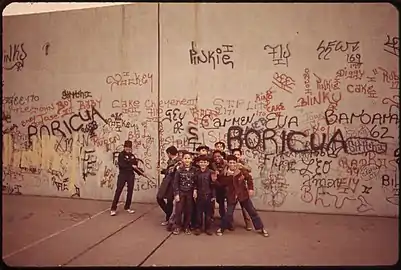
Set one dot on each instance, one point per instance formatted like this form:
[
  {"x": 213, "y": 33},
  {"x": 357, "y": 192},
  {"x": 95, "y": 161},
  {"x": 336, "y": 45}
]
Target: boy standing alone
[{"x": 126, "y": 164}]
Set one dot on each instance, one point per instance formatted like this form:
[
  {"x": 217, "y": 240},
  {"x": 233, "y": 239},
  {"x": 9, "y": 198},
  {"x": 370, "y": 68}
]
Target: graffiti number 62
[{"x": 384, "y": 130}]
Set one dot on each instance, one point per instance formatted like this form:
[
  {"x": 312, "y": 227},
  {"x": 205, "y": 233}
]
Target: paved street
[{"x": 43, "y": 231}]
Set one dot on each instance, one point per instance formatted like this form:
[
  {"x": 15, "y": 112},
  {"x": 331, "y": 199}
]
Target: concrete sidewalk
[{"x": 42, "y": 231}]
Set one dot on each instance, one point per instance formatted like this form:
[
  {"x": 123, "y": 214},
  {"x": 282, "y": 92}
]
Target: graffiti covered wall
[{"x": 313, "y": 104}]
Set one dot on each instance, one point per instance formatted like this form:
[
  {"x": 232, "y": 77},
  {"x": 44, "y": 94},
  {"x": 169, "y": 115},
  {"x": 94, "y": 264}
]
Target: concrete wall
[
  {"x": 37, "y": 7},
  {"x": 275, "y": 79}
]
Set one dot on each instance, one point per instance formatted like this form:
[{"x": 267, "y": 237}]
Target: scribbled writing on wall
[
  {"x": 66, "y": 94},
  {"x": 215, "y": 57},
  {"x": 14, "y": 57},
  {"x": 87, "y": 123},
  {"x": 280, "y": 53},
  {"x": 392, "y": 45},
  {"x": 126, "y": 79},
  {"x": 325, "y": 48}
]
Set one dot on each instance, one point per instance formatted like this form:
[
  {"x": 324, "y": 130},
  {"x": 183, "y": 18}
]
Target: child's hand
[
  {"x": 251, "y": 192},
  {"x": 214, "y": 176},
  {"x": 195, "y": 194},
  {"x": 177, "y": 198}
]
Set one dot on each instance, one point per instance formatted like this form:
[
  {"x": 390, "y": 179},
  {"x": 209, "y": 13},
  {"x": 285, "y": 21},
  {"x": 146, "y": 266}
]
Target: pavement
[{"x": 47, "y": 231}]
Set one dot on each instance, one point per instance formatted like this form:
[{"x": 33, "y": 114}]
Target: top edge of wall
[{"x": 16, "y": 9}]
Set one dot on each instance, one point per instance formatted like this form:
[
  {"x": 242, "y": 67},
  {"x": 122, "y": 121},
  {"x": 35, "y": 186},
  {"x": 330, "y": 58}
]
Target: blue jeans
[{"x": 227, "y": 221}]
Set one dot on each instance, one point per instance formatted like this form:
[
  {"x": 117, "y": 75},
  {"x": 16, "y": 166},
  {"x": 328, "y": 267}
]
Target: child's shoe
[
  {"x": 219, "y": 232},
  {"x": 209, "y": 232},
  {"x": 176, "y": 231},
  {"x": 197, "y": 232},
  {"x": 264, "y": 232},
  {"x": 187, "y": 231}
]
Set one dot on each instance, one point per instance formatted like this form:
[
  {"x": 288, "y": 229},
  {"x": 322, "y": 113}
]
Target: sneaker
[
  {"x": 198, "y": 232},
  {"x": 248, "y": 228},
  {"x": 130, "y": 211},
  {"x": 187, "y": 231},
  {"x": 164, "y": 223},
  {"x": 264, "y": 232},
  {"x": 209, "y": 232},
  {"x": 113, "y": 213},
  {"x": 176, "y": 231},
  {"x": 219, "y": 232}
]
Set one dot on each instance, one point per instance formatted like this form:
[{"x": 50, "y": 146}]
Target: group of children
[{"x": 194, "y": 182}]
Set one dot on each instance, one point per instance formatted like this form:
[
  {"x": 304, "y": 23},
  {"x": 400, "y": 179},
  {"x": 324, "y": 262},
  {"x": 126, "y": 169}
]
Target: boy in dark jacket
[
  {"x": 166, "y": 188},
  {"x": 204, "y": 193},
  {"x": 218, "y": 166},
  {"x": 127, "y": 164},
  {"x": 239, "y": 184},
  {"x": 183, "y": 187}
]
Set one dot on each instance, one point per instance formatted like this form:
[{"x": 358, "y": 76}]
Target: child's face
[
  {"x": 232, "y": 165},
  {"x": 127, "y": 149},
  {"x": 203, "y": 151},
  {"x": 219, "y": 147},
  {"x": 217, "y": 157},
  {"x": 237, "y": 154},
  {"x": 203, "y": 164},
  {"x": 187, "y": 159}
]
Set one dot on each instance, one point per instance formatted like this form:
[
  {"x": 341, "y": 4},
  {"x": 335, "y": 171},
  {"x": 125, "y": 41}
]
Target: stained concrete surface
[{"x": 44, "y": 231}]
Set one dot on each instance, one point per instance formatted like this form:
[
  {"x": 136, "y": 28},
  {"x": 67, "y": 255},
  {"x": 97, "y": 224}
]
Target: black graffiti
[
  {"x": 61, "y": 184},
  {"x": 237, "y": 137},
  {"x": 201, "y": 56},
  {"x": 280, "y": 57},
  {"x": 392, "y": 45},
  {"x": 321, "y": 167},
  {"x": 77, "y": 192},
  {"x": 116, "y": 121},
  {"x": 14, "y": 57},
  {"x": 366, "y": 189},
  {"x": 88, "y": 162},
  {"x": 55, "y": 126},
  {"x": 11, "y": 189},
  {"x": 387, "y": 181},
  {"x": 30, "y": 170},
  {"x": 274, "y": 121},
  {"x": 343, "y": 118},
  {"x": 20, "y": 100},
  {"x": 66, "y": 94},
  {"x": 383, "y": 134},
  {"x": 145, "y": 185},
  {"x": 193, "y": 140},
  {"x": 357, "y": 146},
  {"x": 280, "y": 163},
  {"x": 325, "y": 50},
  {"x": 176, "y": 117}
]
